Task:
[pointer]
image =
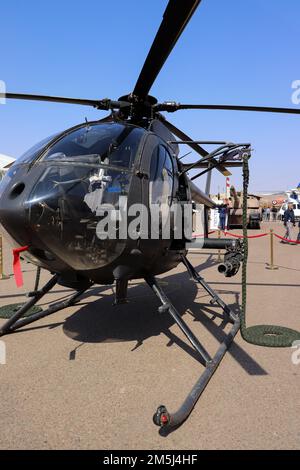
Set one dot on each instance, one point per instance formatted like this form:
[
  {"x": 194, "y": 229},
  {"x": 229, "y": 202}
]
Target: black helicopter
[{"x": 50, "y": 198}]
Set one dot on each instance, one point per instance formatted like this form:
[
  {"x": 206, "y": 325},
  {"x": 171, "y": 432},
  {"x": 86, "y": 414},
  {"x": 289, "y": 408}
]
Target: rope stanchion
[
  {"x": 2, "y": 275},
  {"x": 271, "y": 265}
]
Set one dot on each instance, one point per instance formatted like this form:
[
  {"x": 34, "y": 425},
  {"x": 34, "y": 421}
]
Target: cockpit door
[{"x": 160, "y": 185}]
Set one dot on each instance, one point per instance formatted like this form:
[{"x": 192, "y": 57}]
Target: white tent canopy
[{"x": 5, "y": 161}]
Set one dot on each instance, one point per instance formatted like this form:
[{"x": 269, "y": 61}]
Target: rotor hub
[
  {"x": 133, "y": 99},
  {"x": 138, "y": 107}
]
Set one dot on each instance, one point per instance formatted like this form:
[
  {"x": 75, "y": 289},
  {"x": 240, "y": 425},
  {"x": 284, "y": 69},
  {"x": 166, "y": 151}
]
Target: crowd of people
[{"x": 270, "y": 215}]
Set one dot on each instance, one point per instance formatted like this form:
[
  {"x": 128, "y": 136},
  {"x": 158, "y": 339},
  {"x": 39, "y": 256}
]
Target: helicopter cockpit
[
  {"x": 62, "y": 188},
  {"x": 95, "y": 160}
]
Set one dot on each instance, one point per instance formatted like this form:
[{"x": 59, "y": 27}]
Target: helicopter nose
[
  {"x": 54, "y": 209},
  {"x": 13, "y": 190}
]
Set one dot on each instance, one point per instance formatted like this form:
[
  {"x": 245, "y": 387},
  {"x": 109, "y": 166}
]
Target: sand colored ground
[{"x": 91, "y": 376}]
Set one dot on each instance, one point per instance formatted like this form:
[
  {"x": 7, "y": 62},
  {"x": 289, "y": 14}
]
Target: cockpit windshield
[
  {"x": 106, "y": 144},
  {"x": 34, "y": 151}
]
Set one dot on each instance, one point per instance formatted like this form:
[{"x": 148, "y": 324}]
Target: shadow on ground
[{"x": 100, "y": 321}]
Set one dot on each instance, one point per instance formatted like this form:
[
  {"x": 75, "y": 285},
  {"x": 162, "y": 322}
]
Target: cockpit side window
[{"x": 161, "y": 176}]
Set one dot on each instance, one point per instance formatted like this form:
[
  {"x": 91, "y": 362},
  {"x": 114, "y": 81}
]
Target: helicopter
[{"x": 54, "y": 198}]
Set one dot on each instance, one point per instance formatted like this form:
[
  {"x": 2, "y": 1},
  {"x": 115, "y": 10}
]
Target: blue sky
[{"x": 232, "y": 52}]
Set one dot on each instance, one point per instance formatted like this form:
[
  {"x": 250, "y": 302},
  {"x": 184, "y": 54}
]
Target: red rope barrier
[
  {"x": 286, "y": 239},
  {"x": 241, "y": 236},
  {"x": 260, "y": 235},
  {"x": 202, "y": 235}
]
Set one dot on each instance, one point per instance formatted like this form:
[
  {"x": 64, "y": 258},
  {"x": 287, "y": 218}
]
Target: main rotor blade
[
  {"x": 176, "y": 17},
  {"x": 200, "y": 150},
  {"x": 171, "y": 107},
  {"x": 99, "y": 104}
]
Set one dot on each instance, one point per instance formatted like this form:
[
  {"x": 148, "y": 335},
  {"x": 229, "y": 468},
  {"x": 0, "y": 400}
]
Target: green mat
[{"x": 7, "y": 311}]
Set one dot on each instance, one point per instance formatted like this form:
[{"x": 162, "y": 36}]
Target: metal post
[
  {"x": 271, "y": 265},
  {"x": 2, "y": 275}
]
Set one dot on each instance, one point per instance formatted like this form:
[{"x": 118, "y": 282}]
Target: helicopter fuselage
[{"x": 53, "y": 200}]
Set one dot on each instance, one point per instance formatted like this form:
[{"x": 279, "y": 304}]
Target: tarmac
[{"x": 91, "y": 376}]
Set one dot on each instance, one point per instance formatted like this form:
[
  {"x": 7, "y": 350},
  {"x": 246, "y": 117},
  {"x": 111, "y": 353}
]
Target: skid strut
[
  {"x": 168, "y": 421},
  {"x": 16, "y": 322},
  {"x": 215, "y": 299}
]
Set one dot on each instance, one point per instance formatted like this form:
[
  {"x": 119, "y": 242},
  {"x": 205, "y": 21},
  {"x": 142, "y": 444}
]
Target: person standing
[
  {"x": 268, "y": 212},
  {"x": 289, "y": 221},
  {"x": 223, "y": 215}
]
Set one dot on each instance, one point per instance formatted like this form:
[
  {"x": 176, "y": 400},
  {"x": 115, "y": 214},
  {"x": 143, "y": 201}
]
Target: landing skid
[
  {"x": 16, "y": 322},
  {"x": 169, "y": 421}
]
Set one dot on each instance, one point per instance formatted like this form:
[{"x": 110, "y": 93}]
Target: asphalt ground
[{"x": 91, "y": 376}]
